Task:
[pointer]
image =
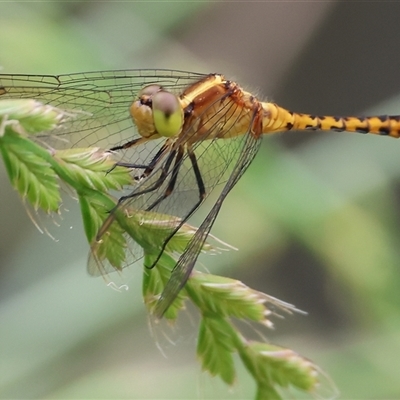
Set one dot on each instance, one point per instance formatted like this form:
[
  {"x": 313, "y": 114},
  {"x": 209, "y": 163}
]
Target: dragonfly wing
[
  {"x": 99, "y": 100},
  {"x": 186, "y": 262},
  {"x": 105, "y": 257}
]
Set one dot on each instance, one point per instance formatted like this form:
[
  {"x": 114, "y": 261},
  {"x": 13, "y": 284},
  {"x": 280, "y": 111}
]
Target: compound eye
[
  {"x": 167, "y": 114},
  {"x": 149, "y": 91}
]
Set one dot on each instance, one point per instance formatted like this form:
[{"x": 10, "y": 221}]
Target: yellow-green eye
[
  {"x": 167, "y": 114},
  {"x": 149, "y": 90}
]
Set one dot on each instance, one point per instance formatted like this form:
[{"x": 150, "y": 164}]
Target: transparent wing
[
  {"x": 187, "y": 260},
  {"x": 102, "y": 100}
]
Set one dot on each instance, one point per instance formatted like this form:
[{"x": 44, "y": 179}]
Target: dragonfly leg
[
  {"x": 160, "y": 180},
  {"x": 197, "y": 173},
  {"x": 148, "y": 168},
  {"x": 172, "y": 182},
  {"x": 153, "y": 187},
  {"x": 202, "y": 195},
  {"x": 127, "y": 145}
]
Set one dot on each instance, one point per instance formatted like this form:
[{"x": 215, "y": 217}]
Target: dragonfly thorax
[{"x": 157, "y": 113}]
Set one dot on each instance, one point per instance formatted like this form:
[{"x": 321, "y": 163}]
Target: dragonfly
[{"x": 182, "y": 134}]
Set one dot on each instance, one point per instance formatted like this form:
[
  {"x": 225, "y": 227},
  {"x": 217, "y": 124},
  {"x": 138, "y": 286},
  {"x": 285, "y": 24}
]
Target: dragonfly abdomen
[{"x": 278, "y": 119}]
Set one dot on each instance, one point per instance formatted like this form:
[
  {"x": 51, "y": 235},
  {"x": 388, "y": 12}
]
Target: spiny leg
[
  {"x": 202, "y": 195},
  {"x": 160, "y": 180},
  {"x": 174, "y": 175},
  {"x": 127, "y": 145},
  {"x": 148, "y": 168},
  {"x": 197, "y": 173}
]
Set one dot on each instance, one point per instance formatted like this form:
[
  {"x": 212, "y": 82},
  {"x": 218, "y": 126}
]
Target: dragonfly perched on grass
[{"x": 182, "y": 134}]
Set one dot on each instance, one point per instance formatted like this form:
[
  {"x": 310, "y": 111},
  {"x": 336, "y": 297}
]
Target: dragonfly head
[{"x": 157, "y": 113}]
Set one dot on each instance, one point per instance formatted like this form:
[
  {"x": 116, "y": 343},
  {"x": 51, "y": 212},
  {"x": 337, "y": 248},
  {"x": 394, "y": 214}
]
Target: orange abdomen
[{"x": 277, "y": 119}]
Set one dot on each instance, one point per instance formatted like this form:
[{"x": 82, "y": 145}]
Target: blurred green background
[{"x": 315, "y": 217}]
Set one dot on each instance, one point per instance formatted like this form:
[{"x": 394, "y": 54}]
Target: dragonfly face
[{"x": 157, "y": 113}]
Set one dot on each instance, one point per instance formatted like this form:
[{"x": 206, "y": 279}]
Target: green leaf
[
  {"x": 215, "y": 347},
  {"x": 109, "y": 253},
  {"x": 267, "y": 392},
  {"x": 31, "y": 116},
  {"x": 91, "y": 167},
  {"x": 32, "y": 176},
  {"x": 154, "y": 281},
  {"x": 272, "y": 365},
  {"x": 226, "y": 297}
]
